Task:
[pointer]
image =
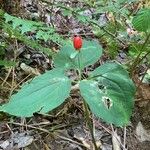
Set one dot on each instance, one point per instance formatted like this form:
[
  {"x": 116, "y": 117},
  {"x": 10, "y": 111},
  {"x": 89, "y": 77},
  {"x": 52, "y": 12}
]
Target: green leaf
[
  {"x": 109, "y": 93},
  {"x": 66, "y": 12},
  {"x": 89, "y": 54},
  {"x": 2, "y": 48},
  {"x": 8, "y": 17},
  {"x": 30, "y": 42},
  {"x": 41, "y": 30},
  {"x": 7, "y": 63},
  {"x": 141, "y": 21},
  {"x": 17, "y": 22},
  {"x": 27, "y": 26},
  {"x": 81, "y": 18},
  {"x": 42, "y": 35},
  {"x": 43, "y": 94}
]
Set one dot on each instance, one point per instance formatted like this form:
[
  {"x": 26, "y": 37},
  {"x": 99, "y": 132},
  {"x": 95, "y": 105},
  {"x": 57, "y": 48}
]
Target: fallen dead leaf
[{"x": 142, "y": 134}]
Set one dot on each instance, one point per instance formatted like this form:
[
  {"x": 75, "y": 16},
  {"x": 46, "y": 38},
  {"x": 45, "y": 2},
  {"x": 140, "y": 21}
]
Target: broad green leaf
[
  {"x": 43, "y": 94},
  {"x": 141, "y": 21},
  {"x": 89, "y": 54},
  {"x": 109, "y": 93}
]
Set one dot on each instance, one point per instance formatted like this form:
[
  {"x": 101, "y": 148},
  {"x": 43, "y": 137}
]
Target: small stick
[{"x": 124, "y": 138}]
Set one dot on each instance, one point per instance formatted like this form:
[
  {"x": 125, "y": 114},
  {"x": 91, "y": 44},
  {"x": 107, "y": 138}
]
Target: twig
[
  {"x": 106, "y": 129},
  {"x": 52, "y": 7},
  {"x": 124, "y": 138},
  {"x": 19, "y": 84},
  {"x": 109, "y": 33},
  {"x": 8, "y": 74},
  {"x": 9, "y": 128},
  {"x": 3, "y": 132},
  {"x": 113, "y": 131},
  {"x": 67, "y": 139},
  {"x": 29, "y": 126},
  {"x": 5, "y": 82},
  {"x": 46, "y": 131}
]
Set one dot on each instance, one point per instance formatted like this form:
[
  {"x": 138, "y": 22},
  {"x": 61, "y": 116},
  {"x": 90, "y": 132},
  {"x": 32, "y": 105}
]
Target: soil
[{"x": 64, "y": 128}]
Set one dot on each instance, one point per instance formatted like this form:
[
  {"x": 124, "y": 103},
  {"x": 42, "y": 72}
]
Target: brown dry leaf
[
  {"x": 17, "y": 140},
  {"x": 143, "y": 91},
  {"x": 29, "y": 70}
]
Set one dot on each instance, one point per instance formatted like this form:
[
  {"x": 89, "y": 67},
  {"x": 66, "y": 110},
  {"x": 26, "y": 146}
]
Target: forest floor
[{"x": 65, "y": 127}]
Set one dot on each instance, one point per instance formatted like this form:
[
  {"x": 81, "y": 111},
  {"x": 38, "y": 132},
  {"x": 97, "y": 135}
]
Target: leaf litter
[{"x": 68, "y": 128}]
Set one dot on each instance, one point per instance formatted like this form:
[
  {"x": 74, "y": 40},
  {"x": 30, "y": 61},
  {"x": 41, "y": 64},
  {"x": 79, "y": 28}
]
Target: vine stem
[
  {"x": 139, "y": 84},
  {"x": 137, "y": 59},
  {"x": 79, "y": 70},
  {"x": 87, "y": 115}
]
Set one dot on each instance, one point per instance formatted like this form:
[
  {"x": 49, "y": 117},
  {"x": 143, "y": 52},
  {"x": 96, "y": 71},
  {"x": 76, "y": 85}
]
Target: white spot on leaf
[{"x": 107, "y": 102}]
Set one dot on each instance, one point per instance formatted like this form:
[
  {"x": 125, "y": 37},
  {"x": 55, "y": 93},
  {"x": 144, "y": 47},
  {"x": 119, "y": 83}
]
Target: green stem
[
  {"x": 137, "y": 59},
  {"x": 145, "y": 72},
  {"x": 87, "y": 114},
  {"x": 108, "y": 32},
  {"x": 90, "y": 126},
  {"x": 79, "y": 70}
]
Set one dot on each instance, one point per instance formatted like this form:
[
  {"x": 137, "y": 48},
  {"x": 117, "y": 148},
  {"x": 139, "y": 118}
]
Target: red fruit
[{"x": 77, "y": 42}]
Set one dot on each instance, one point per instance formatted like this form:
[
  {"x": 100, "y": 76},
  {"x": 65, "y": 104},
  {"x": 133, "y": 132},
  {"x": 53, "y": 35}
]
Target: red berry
[{"x": 77, "y": 42}]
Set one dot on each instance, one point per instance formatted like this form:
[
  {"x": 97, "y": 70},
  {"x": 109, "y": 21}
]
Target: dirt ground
[{"x": 65, "y": 128}]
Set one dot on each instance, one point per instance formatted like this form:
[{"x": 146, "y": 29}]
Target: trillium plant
[{"x": 107, "y": 91}]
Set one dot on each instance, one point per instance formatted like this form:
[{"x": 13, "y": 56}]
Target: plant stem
[
  {"x": 87, "y": 115},
  {"x": 79, "y": 63},
  {"x": 137, "y": 59},
  {"x": 108, "y": 32},
  {"x": 142, "y": 78}
]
